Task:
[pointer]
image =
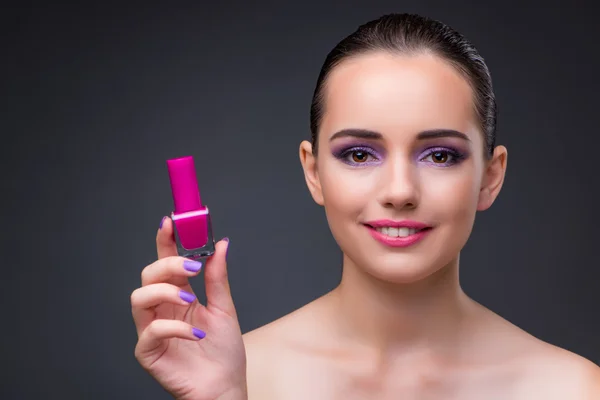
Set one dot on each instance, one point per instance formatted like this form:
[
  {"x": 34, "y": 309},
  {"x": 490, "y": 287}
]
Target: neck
[{"x": 430, "y": 313}]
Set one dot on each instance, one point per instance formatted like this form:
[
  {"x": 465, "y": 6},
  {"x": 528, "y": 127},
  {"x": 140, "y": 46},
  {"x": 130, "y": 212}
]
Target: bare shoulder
[
  {"x": 550, "y": 372},
  {"x": 278, "y": 335},
  {"x": 557, "y": 373},
  {"x": 538, "y": 369},
  {"x": 260, "y": 359},
  {"x": 272, "y": 349}
]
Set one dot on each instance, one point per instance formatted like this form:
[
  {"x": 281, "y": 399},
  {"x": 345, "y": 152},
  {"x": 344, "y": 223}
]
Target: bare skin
[
  {"x": 398, "y": 326},
  {"x": 298, "y": 357}
]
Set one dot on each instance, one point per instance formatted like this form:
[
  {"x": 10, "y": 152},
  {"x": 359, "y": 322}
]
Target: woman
[{"x": 402, "y": 157}]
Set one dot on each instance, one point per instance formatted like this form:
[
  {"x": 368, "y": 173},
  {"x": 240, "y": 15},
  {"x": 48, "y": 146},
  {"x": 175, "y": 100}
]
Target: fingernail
[
  {"x": 187, "y": 296},
  {"x": 226, "y": 239},
  {"x": 198, "y": 333},
  {"x": 193, "y": 266},
  {"x": 161, "y": 222}
]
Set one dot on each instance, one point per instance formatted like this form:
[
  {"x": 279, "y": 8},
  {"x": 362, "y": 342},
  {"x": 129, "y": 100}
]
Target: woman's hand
[{"x": 194, "y": 351}]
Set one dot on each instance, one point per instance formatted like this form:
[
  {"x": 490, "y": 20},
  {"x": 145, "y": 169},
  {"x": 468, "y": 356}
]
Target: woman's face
[{"x": 401, "y": 169}]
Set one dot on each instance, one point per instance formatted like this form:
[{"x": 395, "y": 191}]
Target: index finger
[{"x": 165, "y": 241}]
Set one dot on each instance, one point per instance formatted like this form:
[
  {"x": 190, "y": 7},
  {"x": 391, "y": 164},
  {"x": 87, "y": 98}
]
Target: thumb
[
  {"x": 218, "y": 292},
  {"x": 165, "y": 241}
]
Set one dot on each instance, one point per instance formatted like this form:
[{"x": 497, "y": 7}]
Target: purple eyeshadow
[
  {"x": 456, "y": 155},
  {"x": 345, "y": 151}
]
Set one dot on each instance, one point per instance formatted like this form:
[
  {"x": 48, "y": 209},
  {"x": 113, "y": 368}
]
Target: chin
[{"x": 400, "y": 270}]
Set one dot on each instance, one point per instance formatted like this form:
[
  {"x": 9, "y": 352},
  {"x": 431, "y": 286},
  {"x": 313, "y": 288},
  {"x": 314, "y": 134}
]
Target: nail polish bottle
[{"x": 191, "y": 220}]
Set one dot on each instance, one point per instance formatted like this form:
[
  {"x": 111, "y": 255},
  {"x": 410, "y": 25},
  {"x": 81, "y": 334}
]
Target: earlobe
[
  {"x": 311, "y": 174},
  {"x": 484, "y": 199},
  {"x": 493, "y": 178}
]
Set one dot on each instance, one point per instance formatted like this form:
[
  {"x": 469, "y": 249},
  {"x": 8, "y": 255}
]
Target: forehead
[{"x": 392, "y": 93}]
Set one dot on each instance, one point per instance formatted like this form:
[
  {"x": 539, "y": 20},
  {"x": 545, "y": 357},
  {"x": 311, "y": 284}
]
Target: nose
[{"x": 399, "y": 185}]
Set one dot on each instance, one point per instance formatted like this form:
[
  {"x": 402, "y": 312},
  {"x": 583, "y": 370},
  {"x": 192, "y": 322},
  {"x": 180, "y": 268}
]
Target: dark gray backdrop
[{"x": 95, "y": 100}]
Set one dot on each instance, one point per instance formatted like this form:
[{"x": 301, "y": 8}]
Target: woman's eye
[
  {"x": 359, "y": 156},
  {"x": 440, "y": 157}
]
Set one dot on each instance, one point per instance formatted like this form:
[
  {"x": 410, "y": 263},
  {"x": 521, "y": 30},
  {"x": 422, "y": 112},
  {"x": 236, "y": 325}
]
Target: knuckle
[
  {"x": 134, "y": 297},
  {"x": 153, "y": 328},
  {"x": 174, "y": 261},
  {"x": 144, "y": 275}
]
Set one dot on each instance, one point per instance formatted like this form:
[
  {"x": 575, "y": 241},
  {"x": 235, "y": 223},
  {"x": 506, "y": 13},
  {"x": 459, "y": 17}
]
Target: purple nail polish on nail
[
  {"x": 193, "y": 266},
  {"x": 198, "y": 333},
  {"x": 226, "y": 239},
  {"x": 161, "y": 222},
  {"x": 187, "y": 296}
]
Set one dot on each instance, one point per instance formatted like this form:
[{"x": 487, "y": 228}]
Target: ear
[
  {"x": 493, "y": 178},
  {"x": 311, "y": 173}
]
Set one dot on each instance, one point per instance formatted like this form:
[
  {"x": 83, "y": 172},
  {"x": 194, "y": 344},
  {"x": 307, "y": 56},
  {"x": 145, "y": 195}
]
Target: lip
[
  {"x": 397, "y": 241},
  {"x": 380, "y": 223}
]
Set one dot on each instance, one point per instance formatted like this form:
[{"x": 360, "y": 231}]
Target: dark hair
[{"x": 412, "y": 34}]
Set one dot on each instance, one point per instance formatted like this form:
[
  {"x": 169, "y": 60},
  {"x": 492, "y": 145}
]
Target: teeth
[{"x": 397, "y": 232}]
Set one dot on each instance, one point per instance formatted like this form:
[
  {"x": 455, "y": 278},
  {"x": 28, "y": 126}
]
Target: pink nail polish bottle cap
[{"x": 184, "y": 184}]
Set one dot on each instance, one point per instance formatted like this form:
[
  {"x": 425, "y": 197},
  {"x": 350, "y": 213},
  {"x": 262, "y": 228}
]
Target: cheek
[
  {"x": 346, "y": 194},
  {"x": 453, "y": 196},
  {"x": 343, "y": 192}
]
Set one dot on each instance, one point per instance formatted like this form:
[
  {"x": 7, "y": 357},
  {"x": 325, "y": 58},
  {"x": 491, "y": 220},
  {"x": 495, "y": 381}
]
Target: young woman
[{"x": 402, "y": 157}]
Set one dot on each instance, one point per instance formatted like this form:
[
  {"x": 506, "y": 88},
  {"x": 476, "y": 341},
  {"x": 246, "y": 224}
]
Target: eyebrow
[{"x": 424, "y": 135}]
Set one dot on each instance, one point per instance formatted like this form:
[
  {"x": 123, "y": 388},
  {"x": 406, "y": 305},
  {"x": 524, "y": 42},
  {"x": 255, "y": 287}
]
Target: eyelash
[
  {"x": 455, "y": 156},
  {"x": 343, "y": 155}
]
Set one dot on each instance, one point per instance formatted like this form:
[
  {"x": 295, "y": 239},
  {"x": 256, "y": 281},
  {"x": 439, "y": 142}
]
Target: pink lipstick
[
  {"x": 191, "y": 220},
  {"x": 397, "y": 233}
]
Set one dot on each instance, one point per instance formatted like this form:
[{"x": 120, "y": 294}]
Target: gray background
[{"x": 95, "y": 100}]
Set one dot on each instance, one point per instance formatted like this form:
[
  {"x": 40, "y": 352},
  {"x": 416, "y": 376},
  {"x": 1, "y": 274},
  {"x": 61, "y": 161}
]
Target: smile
[{"x": 398, "y": 233}]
